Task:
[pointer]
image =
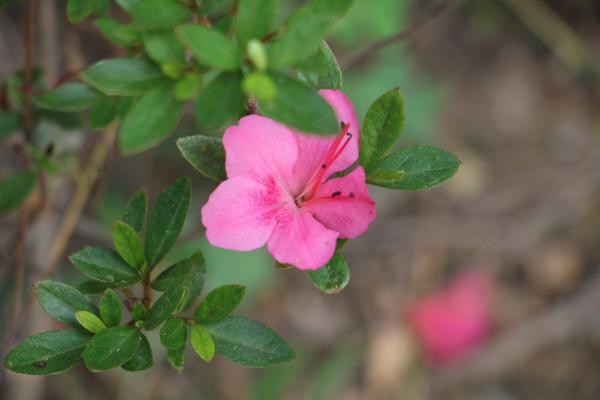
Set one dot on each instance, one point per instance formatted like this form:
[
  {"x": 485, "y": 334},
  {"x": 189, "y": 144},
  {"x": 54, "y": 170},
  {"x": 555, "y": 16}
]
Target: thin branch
[{"x": 366, "y": 54}]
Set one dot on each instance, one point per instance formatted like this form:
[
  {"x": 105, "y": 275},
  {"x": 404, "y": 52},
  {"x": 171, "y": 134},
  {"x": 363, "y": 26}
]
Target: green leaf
[
  {"x": 381, "y": 127},
  {"x": 333, "y": 277},
  {"x": 166, "y": 305},
  {"x": 206, "y": 154},
  {"x": 119, "y": 34},
  {"x": 176, "y": 358},
  {"x": 90, "y": 321},
  {"x": 421, "y": 167},
  {"x": 259, "y": 86},
  {"x": 123, "y": 76},
  {"x": 151, "y": 120},
  {"x": 163, "y": 47},
  {"x": 78, "y": 10},
  {"x": 111, "y": 348},
  {"x": 299, "y": 106},
  {"x": 219, "y": 303},
  {"x": 188, "y": 87},
  {"x": 202, "y": 342},
  {"x": 210, "y": 47},
  {"x": 135, "y": 211},
  {"x": 159, "y": 14},
  {"x": 142, "y": 358},
  {"x": 255, "y": 19},
  {"x": 92, "y": 287},
  {"x": 126, "y": 4},
  {"x": 324, "y": 71},
  {"x": 102, "y": 7},
  {"x": 14, "y": 189},
  {"x": 305, "y": 28},
  {"x": 10, "y": 123},
  {"x": 188, "y": 273},
  {"x": 61, "y": 301},
  {"x": 221, "y": 101},
  {"x": 139, "y": 312},
  {"x": 129, "y": 244},
  {"x": 110, "y": 308},
  {"x": 166, "y": 219},
  {"x": 103, "y": 111},
  {"x": 104, "y": 265},
  {"x": 47, "y": 353},
  {"x": 248, "y": 343},
  {"x": 173, "y": 333}
]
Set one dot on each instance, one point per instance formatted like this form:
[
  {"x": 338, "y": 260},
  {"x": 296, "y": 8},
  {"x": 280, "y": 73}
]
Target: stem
[{"x": 147, "y": 300}]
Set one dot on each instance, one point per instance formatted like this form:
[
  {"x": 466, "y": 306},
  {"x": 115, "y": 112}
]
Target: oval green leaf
[
  {"x": 219, "y": 303},
  {"x": 129, "y": 244},
  {"x": 90, "y": 321},
  {"x": 61, "y": 301},
  {"x": 333, "y": 277},
  {"x": 111, "y": 348},
  {"x": 123, "y": 76},
  {"x": 159, "y": 14},
  {"x": 210, "y": 47},
  {"x": 164, "y": 307},
  {"x": 110, "y": 308},
  {"x": 202, "y": 342},
  {"x": 221, "y": 101},
  {"x": 173, "y": 333},
  {"x": 142, "y": 359},
  {"x": 104, "y": 265},
  {"x": 206, "y": 154},
  {"x": 135, "y": 211}
]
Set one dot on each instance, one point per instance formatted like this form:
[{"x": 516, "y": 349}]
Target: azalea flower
[
  {"x": 280, "y": 189},
  {"x": 451, "y": 323}
]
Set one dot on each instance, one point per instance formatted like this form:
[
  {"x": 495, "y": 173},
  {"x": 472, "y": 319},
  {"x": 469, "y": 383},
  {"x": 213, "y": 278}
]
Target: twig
[
  {"x": 27, "y": 68},
  {"x": 367, "y": 53}
]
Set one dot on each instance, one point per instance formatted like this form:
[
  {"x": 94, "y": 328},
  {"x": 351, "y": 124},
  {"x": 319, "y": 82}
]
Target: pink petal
[
  {"x": 344, "y": 204},
  {"x": 300, "y": 240},
  {"x": 312, "y": 148},
  {"x": 241, "y": 214},
  {"x": 260, "y": 149}
]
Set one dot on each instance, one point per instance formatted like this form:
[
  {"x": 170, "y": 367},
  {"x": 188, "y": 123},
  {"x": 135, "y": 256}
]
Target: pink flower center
[{"x": 334, "y": 151}]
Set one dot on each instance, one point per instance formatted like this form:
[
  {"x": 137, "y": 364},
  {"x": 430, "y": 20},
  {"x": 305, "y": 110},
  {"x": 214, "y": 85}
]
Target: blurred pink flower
[
  {"x": 280, "y": 190},
  {"x": 455, "y": 320}
]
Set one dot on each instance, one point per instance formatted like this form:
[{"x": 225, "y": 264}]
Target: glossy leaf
[
  {"x": 163, "y": 47},
  {"x": 110, "y": 308},
  {"x": 129, "y": 244},
  {"x": 92, "y": 287},
  {"x": 61, "y": 301},
  {"x": 142, "y": 359},
  {"x": 78, "y": 10},
  {"x": 202, "y": 342},
  {"x": 421, "y": 167},
  {"x": 248, "y": 343},
  {"x": 333, "y": 277},
  {"x": 219, "y": 303},
  {"x": 206, "y": 154},
  {"x": 10, "y": 122},
  {"x": 103, "y": 111},
  {"x": 111, "y": 348},
  {"x": 173, "y": 333},
  {"x": 381, "y": 127},
  {"x": 151, "y": 120},
  {"x": 210, "y": 47},
  {"x": 90, "y": 321},
  {"x": 14, "y": 189},
  {"x": 164, "y": 307},
  {"x": 159, "y": 14},
  {"x": 188, "y": 273},
  {"x": 104, "y": 265},
  {"x": 166, "y": 220},
  {"x": 47, "y": 353},
  {"x": 255, "y": 19},
  {"x": 123, "y": 76},
  {"x": 221, "y": 101},
  {"x": 135, "y": 211}
]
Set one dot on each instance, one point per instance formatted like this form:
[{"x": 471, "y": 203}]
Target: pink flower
[
  {"x": 452, "y": 322},
  {"x": 280, "y": 190}
]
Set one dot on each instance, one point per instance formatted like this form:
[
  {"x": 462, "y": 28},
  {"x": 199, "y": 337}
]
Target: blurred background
[{"x": 484, "y": 288}]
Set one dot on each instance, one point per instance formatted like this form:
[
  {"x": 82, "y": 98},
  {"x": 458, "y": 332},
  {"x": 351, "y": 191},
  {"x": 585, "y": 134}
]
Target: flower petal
[
  {"x": 241, "y": 214},
  {"x": 260, "y": 149},
  {"x": 300, "y": 240},
  {"x": 344, "y": 204}
]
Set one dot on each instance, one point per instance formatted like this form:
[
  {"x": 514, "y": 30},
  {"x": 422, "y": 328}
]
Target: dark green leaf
[
  {"x": 159, "y": 14},
  {"x": 164, "y": 307},
  {"x": 421, "y": 167},
  {"x": 61, "y": 301},
  {"x": 381, "y": 127},
  {"x": 14, "y": 189},
  {"x": 173, "y": 333},
  {"x": 66, "y": 120},
  {"x": 324, "y": 72},
  {"x": 188, "y": 273},
  {"x": 89, "y": 321},
  {"x": 110, "y": 308},
  {"x": 47, "y": 353},
  {"x": 139, "y": 312},
  {"x": 111, "y": 348},
  {"x": 202, "y": 342},
  {"x": 210, "y": 47},
  {"x": 103, "y": 111},
  {"x": 300, "y": 107},
  {"x": 163, "y": 47},
  {"x": 9, "y": 123},
  {"x": 166, "y": 220},
  {"x": 78, "y": 10},
  {"x": 135, "y": 211},
  {"x": 255, "y": 19},
  {"x": 123, "y": 76},
  {"x": 219, "y": 303},
  {"x": 104, "y": 265},
  {"x": 119, "y": 34},
  {"x": 142, "y": 358},
  {"x": 102, "y": 7},
  {"x": 303, "y": 31},
  {"x": 151, "y": 120},
  {"x": 92, "y": 287},
  {"x": 333, "y": 277},
  {"x": 206, "y": 154},
  {"x": 176, "y": 359},
  {"x": 221, "y": 101},
  {"x": 129, "y": 244},
  {"x": 248, "y": 343}
]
